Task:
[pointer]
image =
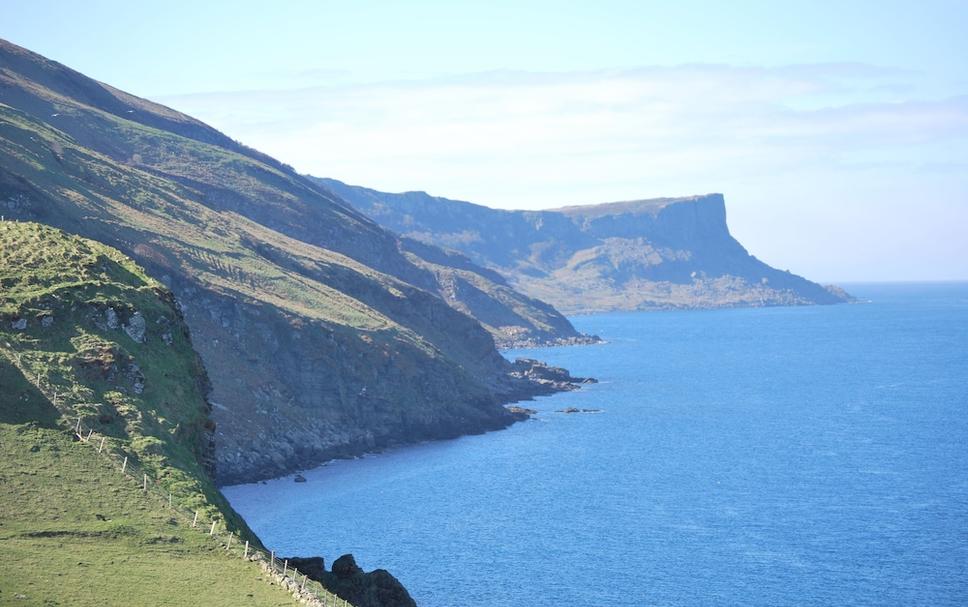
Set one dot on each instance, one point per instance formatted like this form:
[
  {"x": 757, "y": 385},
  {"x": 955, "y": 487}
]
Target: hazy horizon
[{"x": 838, "y": 134}]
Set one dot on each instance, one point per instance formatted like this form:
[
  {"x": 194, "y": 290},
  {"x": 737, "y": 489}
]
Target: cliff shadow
[{"x": 21, "y": 402}]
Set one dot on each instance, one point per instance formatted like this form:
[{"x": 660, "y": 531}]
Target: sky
[{"x": 838, "y": 131}]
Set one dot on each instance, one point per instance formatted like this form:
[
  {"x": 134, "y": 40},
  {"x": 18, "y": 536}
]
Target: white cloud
[{"x": 797, "y": 142}]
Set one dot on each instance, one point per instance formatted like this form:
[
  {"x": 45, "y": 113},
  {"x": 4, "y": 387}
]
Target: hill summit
[{"x": 323, "y": 334}]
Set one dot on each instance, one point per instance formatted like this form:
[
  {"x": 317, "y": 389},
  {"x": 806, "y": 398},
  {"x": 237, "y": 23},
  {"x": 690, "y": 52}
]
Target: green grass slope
[
  {"x": 57, "y": 550},
  {"x": 322, "y": 335},
  {"x": 73, "y": 529},
  {"x": 70, "y": 314}
]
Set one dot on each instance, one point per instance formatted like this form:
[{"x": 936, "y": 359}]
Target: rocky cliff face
[
  {"x": 323, "y": 334},
  {"x": 661, "y": 253}
]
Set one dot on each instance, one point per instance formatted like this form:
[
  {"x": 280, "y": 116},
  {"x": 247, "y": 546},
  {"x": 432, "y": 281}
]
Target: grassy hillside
[
  {"x": 322, "y": 335},
  {"x": 83, "y": 326},
  {"x": 86, "y": 335},
  {"x": 75, "y": 532}
]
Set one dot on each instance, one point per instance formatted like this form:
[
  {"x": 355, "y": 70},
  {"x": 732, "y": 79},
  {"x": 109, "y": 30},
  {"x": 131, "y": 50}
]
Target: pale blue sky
[{"x": 837, "y": 130}]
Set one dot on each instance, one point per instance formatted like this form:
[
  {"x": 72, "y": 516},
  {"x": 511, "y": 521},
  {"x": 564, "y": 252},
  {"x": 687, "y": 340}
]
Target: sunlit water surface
[{"x": 781, "y": 456}]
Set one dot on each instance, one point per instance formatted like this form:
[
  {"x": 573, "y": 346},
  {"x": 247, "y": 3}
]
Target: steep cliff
[
  {"x": 661, "y": 253},
  {"x": 323, "y": 334},
  {"x": 106, "y": 449},
  {"x": 80, "y": 320}
]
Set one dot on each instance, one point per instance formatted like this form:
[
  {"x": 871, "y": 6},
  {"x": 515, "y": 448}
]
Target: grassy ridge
[
  {"x": 93, "y": 193},
  {"x": 67, "y": 306},
  {"x": 73, "y": 530},
  {"x": 323, "y": 334}
]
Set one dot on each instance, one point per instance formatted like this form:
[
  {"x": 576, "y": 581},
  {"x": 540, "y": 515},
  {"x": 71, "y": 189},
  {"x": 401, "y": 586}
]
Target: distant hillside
[
  {"x": 644, "y": 254},
  {"x": 323, "y": 334},
  {"x": 86, "y": 335}
]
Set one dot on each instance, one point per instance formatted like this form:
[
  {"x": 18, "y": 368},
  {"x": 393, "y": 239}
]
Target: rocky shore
[
  {"x": 546, "y": 379},
  {"x": 348, "y": 581},
  {"x": 514, "y": 342},
  {"x": 527, "y": 379}
]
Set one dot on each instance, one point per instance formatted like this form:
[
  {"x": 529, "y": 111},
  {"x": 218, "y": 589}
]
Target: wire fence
[{"x": 182, "y": 507}]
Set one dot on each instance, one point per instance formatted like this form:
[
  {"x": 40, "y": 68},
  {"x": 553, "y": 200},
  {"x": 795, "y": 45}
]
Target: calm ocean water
[{"x": 781, "y": 456}]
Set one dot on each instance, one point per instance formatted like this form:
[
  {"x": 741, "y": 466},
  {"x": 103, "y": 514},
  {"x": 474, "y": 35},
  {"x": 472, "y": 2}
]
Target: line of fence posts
[{"x": 132, "y": 470}]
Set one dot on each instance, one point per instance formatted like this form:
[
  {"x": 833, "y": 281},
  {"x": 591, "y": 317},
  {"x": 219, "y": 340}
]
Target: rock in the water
[
  {"x": 19, "y": 325},
  {"x": 577, "y": 410},
  {"x": 299, "y": 478},
  {"x": 348, "y": 581},
  {"x": 345, "y": 567},
  {"x": 521, "y": 410},
  {"x": 136, "y": 327},
  {"x": 46, "y": 321},
  {"x": 542, "y": 373}
]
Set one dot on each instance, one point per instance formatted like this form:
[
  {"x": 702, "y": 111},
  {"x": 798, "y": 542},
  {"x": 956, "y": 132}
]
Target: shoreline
[
  {"x": 524, "y": 417},
  {"x": 534, "y": 378},
  {"x": 499, "y": 421}
]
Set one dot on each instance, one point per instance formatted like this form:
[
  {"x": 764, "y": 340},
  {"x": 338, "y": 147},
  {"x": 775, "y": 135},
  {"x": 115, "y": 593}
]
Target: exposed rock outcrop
[
  {"x": 348, "y": 581},
  {"x": 521, "y": 410},
  {"x": 551, "y": 379},
  {"x": 136, "y": 327}
]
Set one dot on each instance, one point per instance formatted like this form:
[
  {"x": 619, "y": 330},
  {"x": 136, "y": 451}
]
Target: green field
[{"x": 74, "y": 530}]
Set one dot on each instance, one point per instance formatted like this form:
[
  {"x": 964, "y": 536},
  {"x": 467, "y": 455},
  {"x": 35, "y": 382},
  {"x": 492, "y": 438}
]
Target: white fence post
[
  {"x": 195, "y": 520},
  {"x": 245, "y": 554},
  {"x": 144, "y": 484},
  {"x": 285, "y": 567},
  {"x": 125, "y": 464},
  {"x": 212, "y": 530},
  {"x": 101, "y": 446}
]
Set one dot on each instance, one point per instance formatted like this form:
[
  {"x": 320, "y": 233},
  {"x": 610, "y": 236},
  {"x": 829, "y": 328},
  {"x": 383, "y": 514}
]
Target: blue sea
[{"x": 777, "y": 456}]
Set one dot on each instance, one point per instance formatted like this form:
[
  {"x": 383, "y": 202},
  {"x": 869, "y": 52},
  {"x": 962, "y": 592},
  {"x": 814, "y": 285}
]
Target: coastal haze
[
  {"x": 664, "y": 253},
  {"x": 838, "y": 133},
  {"x": 528, "y": 304}
]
